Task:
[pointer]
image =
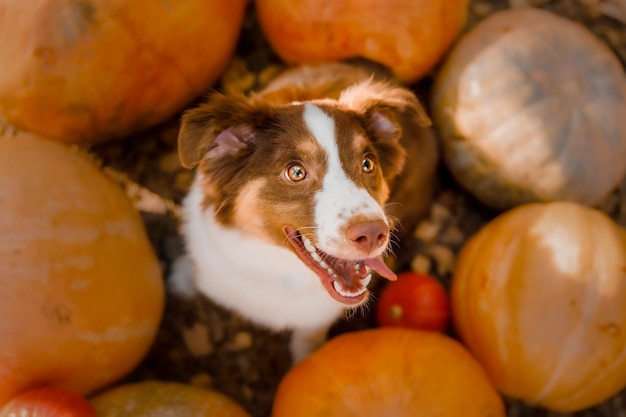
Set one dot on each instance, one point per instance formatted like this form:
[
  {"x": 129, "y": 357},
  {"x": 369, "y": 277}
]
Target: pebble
[
  {"x": 444, "y": 258},
  {"x": 241, "y": 341},
  {"x": 197, "y": 340},
  {"x": 421, "y": 264},
  {"x": 427, "y": 231}
]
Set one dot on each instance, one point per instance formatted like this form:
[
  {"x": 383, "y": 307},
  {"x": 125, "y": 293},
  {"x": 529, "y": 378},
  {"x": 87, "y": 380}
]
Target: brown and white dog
[{"x": 298, "y": 190}]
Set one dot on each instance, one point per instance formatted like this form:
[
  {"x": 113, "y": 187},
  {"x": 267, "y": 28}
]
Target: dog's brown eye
[
  {"x": 368, "y": 164},
  {"x": 295, "y": 172}
]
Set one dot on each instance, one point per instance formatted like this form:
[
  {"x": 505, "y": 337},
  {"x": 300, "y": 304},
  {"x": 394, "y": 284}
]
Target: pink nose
[{"x": 368, "y": 236}]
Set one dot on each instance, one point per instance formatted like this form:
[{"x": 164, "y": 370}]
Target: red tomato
[
  {"x": 48, "y": 402},
  {"x": 416, "y": 301}
]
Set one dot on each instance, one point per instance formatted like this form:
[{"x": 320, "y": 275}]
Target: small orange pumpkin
[
  {"x": 539, "y": 297},
  {"x": 388, "y": 372},
  {"x": 80, "y": 287},
  {"x": 531, "y": 107},
  {"x": 408, "y": 36},
  {"x": 86, "y": 70},
  {"x": 161, "y": 398}
]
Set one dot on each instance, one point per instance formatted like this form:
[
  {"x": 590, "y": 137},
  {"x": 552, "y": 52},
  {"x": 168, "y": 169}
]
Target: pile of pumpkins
[{"x": 531, "y": 112}]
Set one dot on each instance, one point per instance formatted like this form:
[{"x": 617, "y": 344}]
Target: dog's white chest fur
[{"x": 263, "y": 282}]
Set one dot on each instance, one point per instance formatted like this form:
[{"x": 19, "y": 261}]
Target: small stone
[
  {"x": 451, "y": 235},
  {"x": 197, "y": 340},
  {"x": 440, "y": 213},
  {"x": 444, "y": 258},
  {"x": 241, "y": 341},
  {"x": 421, "y": 264},
  {"x": 427, "y": 231}
]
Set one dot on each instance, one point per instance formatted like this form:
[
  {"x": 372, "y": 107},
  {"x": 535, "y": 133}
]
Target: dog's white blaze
[{"x": 332, "y": 208}]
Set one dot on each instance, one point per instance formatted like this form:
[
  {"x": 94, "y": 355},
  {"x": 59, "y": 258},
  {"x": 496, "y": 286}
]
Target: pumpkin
[
  {"x": 539, "y": 297},
  {"x": 531, "y": 107},
  {"x": 408, "y": 36},
  {"x": 390, "y": 371},
  {"x": 161, "y": 398},
  {"x": 88, "y": 70},
  {"x": 81, "y": 291}
]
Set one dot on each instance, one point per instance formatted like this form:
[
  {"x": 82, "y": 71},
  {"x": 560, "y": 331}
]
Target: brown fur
[{"x": 375, "y": 115}]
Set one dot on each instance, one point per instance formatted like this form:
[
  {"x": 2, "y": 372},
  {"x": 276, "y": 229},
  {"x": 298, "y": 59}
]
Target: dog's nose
[{"x": 368, "y": 236}]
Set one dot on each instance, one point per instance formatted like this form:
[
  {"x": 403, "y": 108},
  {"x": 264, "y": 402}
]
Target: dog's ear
[
  {"x": 371, "y": 96},
  {"x": 391, "y": 114},
  {"x": 223, "y": 125}
]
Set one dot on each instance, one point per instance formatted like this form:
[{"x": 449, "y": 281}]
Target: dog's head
[{"x": 311, "y": 177}]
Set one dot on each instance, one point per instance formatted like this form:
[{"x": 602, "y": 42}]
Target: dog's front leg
[{"x": 305, "y": 340}]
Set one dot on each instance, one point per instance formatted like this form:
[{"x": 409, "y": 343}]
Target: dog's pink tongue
[{"x": 381, "y": 268}]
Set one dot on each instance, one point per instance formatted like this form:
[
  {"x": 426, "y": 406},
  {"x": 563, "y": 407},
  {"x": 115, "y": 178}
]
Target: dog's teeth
[
  {"x": 357, "y": 266},
  {"x": 365, "y": 281},
  {"x": 339, "y": 288},
  {"x": 308, "y": 245},
  {"x": 316, "y": 257}
]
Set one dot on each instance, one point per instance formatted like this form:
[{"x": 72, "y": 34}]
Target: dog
[{"x": 298, "y": 190}]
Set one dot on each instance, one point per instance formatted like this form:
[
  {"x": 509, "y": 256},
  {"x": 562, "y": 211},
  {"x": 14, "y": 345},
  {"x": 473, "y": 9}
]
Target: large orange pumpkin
[
  {"x": 388, "y": 372},
  {"x": 539, "y": 297},
  {"x": 161, "y": 398},
  {"x": 408, "y": 36},
  {"x": 531, "y": 107},
  {"x": 83, "y": 70},
  {"x": 81, "y": 292}
]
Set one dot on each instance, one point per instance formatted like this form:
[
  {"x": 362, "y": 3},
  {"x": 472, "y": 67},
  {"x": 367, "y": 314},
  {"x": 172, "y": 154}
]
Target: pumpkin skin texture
[
  {"x": 160, "y": 398},
  {"x": 389, "y": 371},
  {"x": 89, "y": 70},
  {"x": 408, "y": 36},
  {"x": 531, "y": 107},
  {"x": 81, "y": 290},
  {"x": 539, "y": 297}
]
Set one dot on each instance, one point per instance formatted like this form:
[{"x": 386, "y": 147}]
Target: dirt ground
[{"x": 203, "y": 344}]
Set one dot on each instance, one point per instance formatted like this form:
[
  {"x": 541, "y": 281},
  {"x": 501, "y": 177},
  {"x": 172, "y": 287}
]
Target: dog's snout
[{"x": 368, "y": 236}]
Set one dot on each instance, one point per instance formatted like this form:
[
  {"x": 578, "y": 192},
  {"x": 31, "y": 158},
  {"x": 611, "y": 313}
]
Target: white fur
[
  {"x": 340, "y": 198},
  {"x": 286, "y": 293}
]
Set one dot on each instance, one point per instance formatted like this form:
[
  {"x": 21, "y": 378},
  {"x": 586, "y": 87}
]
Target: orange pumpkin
[
  {"x": 530, "y": 107},
  {"x": 539, "y": 297},
  {"x": 160, "y": 398},
  {"x": 408, "y": 36},
  {"x": 80, "y": 287},
  {"x": 388, "y": 372},
  {"x": 88, "y": 70}
]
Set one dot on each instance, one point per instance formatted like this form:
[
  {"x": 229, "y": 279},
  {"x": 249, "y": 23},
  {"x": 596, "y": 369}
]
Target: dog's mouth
[{"x": 345, "y": 280}]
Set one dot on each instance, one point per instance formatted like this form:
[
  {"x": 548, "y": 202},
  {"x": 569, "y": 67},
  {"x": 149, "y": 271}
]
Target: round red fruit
[
  {"x": 416, "y": 301},
  {"x": 48, "y": 402}
]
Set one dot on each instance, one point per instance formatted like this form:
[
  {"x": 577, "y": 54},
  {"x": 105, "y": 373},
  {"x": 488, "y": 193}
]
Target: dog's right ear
[{"x": 223, "y": 125}]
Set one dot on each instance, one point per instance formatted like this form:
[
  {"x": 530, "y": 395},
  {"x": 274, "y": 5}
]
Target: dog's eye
[
  {"x": 368, "y": 164},
  {"x": 295, "y": 172}
]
